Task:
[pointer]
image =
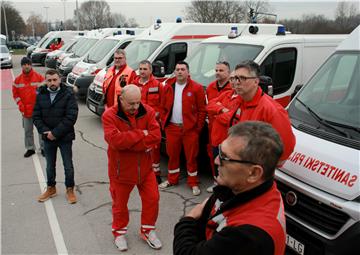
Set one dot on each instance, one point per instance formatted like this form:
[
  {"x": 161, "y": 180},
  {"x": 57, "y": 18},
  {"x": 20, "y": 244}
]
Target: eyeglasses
[
  {"x": 241, "y": 78},
  {"x": 223, "y": 158}
]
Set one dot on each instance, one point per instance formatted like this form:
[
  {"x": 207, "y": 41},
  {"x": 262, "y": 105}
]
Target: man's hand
[
  {"x": 50, "y": 136},
  {"x": 197, "y": 210},
  {"x": 146, "y": 132}
]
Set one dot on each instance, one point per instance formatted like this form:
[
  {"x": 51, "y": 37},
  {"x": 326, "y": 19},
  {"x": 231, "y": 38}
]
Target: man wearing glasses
[
  {"x": 117, "y": 76},
  {"x": 151, "y": 93},
  {"x": 245, "y": 214},
  {"x": 254, "y": 104},
  {"x": 131, "y": 131}
]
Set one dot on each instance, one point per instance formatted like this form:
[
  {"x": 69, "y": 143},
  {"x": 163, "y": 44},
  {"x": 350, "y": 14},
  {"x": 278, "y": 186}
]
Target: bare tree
[
  {"x": 215, "y": 11},
  {"x": 346, "y": 16},
  {"x": 119, "y": 20},
  {"x": 35, "y": 26},
  {"x": 13, "y": 20},
  {"x": 94, "y": 14}
]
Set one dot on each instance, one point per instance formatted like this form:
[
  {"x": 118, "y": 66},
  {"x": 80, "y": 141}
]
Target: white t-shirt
[{"x": 176, "y": 116}]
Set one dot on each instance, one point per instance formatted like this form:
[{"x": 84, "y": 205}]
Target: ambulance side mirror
[
  {"x": 266, "y": 84},
  {"x": 296, "y": 90},
  {"x": 158, "y": 68}
]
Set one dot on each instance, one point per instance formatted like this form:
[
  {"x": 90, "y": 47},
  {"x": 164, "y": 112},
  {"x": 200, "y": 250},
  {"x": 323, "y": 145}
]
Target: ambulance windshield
[
  {"x": 140, "y": 50},
  {"x": 202, "y": 62},
  {"x": 330, "y": 100}
]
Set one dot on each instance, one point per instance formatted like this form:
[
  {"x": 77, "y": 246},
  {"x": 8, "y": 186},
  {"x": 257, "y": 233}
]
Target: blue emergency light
[
  {"x": 281, "y": 30},
  {"x": 233, "y": 32},
  {"x": 130, "y": 32}
]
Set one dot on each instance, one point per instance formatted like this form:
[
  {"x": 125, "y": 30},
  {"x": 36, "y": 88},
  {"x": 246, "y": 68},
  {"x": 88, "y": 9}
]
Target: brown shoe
[
  {"x": 49, "y": 192},
  {"x": 70, "y": 195}
]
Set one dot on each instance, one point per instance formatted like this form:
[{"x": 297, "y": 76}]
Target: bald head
[{"x": 130, "y": 98}]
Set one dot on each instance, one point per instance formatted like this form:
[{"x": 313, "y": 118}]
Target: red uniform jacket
[
  {"x": 213, "y": 91},
  {"x": 218, "y": 121},
  {"x": 129, "y": 150},
  {"x": 263, "y": 108},
  {"x": 151, "y": 92},
  {"x": 193, "y": 105},
  {"x": 265, "y": 212},
  {"x": 109, "y": 81},
  {"x": 24, "y": 91}
]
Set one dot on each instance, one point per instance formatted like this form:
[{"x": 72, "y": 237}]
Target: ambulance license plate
[
  {"x": 93, "y": 108},
  {"x": 295, "y": 245}
]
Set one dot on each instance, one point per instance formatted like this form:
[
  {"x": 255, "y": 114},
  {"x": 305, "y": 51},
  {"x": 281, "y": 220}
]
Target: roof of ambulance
[
  {"x": 168, "y": 30},
  {"x": 352, "y": 42},
  {"x": 267, "y": 38}
]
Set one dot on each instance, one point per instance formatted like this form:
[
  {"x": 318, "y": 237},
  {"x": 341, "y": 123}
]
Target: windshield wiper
[{"x": 322, "y": 121}]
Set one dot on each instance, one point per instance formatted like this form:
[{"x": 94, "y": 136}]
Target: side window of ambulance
[
  {"x": 280, "y": 65},
  {"x": 171, "y": 55}
]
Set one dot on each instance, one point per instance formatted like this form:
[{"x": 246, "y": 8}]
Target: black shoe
[
  {"x": 43, "y": 153},
  {"x": 28, "y": 153},
  {"x": 158, "y": 179}
]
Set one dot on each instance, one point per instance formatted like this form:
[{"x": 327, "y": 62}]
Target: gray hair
[
  {"x": 146, "y": 62},
  {"x": 251, "y": 66},
  {"x": 120, "y": 52},
  {"x": 264, "y": 145}
]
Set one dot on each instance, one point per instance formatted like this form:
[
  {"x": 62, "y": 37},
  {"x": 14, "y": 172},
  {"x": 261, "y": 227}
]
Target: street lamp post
[
  {"x": 64, "y": 2},
  {"x": 6, "y": 27},
  {"x": 47, "y": 17}
]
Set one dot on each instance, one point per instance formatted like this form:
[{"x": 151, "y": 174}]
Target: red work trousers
[
  {"x": 176, "y": 137},
  {"x": 155, "y": 156},
  {"x": 149, "y": 194}
]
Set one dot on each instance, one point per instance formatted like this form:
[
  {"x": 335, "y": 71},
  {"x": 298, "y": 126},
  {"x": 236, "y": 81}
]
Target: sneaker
[
  {"x": 28, "y": 153},
  {"x": 43, "y": 153},
  {"x": 164, "y": 185},
  {"x": 49, "y": 192},
  {"x": 158, "y": 179},
  {"x": 70, "y": 195},
  {"x": 121, "y": 243},
  {"x": 151, "y": 238},
  {"x": 211, "y": 188},
  {"x": 196, "y": 190}
]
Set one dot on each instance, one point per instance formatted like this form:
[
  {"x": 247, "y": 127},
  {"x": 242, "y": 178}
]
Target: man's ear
[{"x": 256, "y": 173}]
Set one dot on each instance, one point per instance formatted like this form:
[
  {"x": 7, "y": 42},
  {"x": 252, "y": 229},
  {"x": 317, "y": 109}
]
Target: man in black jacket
[
  {"x": 55, "y": 114},
  {"x": 245, "y": 214}
]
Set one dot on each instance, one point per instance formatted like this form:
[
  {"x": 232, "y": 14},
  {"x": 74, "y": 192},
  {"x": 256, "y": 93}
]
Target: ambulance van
[
  {"x": 100, "y": 56},
  {"x": 289, "y": 59},
  {"x": 320, "y": 180},
  {"x": 164, "y": 45}
]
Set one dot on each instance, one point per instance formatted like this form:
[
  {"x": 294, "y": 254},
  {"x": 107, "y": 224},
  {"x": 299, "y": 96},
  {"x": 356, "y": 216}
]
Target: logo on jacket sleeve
[{"x": 189, "y": 94}]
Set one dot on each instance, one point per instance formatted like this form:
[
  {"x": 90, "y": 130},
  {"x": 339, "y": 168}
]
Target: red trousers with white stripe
[
  {"x": 175, "y": 139},
  {"x": 155, "y": 156},
  {"x": 149, "y": 194}
]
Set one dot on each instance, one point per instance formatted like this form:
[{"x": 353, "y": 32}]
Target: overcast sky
[{"x": 145, "y": 12}]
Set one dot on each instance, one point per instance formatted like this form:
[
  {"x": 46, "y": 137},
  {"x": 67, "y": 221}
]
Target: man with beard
[{"x": 54, "y": 116}]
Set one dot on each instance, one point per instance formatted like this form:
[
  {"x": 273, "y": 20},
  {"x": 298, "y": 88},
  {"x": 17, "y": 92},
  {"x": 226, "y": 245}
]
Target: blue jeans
[{"x": 50, "y": 149}]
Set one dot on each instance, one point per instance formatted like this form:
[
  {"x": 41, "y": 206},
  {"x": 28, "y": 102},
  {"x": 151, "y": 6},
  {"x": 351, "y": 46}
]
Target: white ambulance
[
  {"x": 100, "y": 56},
  {"x": 320, "y": 180},
  {"x": 164, "y": 45},
  {"x": 289, "y": 59}
]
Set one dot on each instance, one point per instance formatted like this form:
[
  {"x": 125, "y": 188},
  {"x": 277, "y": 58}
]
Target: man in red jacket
[
  {"x": 131, "y": 131},
  {"x": 24, "y": 93},
  {"x": 117, "y": 76},
  {"x": 151, "y": 93},
  {"x": 183, "y": 116},
  {"x": 254, "y": 104},
  {"x": 214, "y": 90},
  {"x": 245, "y": 215}
]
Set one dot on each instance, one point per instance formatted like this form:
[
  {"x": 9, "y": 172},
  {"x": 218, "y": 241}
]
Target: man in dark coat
[{"x": 55, "y": 114}]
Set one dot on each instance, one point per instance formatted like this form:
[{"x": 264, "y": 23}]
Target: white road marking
[{"x": 53, "y": 221}]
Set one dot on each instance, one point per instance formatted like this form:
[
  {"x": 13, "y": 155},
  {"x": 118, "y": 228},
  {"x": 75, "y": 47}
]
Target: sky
[{"x": 145, "y": 12}]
